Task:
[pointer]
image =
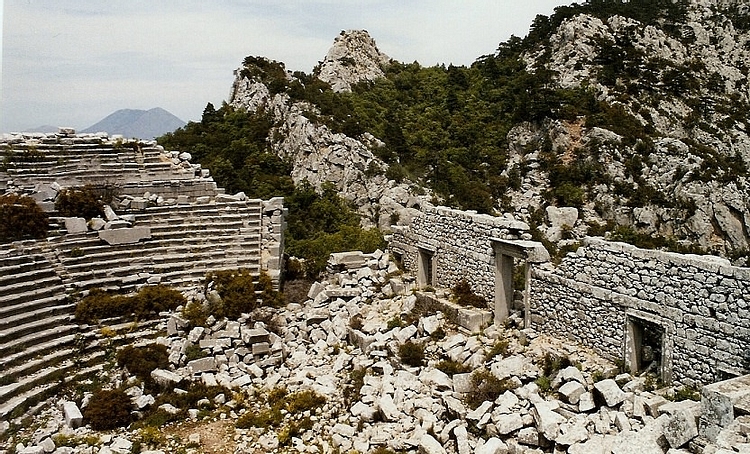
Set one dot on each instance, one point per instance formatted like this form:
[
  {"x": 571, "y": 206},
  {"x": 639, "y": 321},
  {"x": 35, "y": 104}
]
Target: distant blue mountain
[{"x": 141, "y": 124}]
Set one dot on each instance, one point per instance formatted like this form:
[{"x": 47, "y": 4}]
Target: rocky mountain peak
[{"x": 354, "y": 57}]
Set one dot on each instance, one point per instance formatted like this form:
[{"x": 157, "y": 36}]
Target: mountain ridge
[
  {"x": 629, "y": 118},
  {"x": 143, "y": 124}
]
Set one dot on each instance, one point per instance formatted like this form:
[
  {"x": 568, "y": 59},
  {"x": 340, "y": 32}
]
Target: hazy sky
[{"x": 72, "y": 62}]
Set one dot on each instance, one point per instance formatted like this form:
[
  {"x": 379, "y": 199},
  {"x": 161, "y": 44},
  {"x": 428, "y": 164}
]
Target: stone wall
[
  {"x": 461, "y": 244},
  {"x": 272, "y": 237},
  {"x": 701, "y": 303}
]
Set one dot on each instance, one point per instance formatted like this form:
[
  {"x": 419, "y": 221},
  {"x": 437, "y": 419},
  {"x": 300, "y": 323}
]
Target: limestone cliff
[
  {"x": 321, "y": 156},
  {"x": 686, "y": 86},
  {"x": 354, "y": 57}
]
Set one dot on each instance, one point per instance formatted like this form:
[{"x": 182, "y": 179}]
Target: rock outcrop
[
  {"x": 354, "y": 57},
  {"x": 320, "y": 155}
]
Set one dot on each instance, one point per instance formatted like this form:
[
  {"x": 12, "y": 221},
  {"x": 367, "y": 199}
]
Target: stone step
[
  {"x": 27, "y": 368},
  {"x": 56, "y": 292},
  {"x": 24, "y": 343},
  {"x": 23, "y": 315},
  {"x": 36, "y": 398},
  {"x": 24, "y": 282},
  {"x": 9, "y": 336},
  {"x": 36, "y": 350}
]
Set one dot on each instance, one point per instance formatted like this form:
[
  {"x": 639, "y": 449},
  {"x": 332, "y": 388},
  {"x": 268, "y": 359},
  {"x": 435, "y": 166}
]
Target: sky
[{"x": 73, "y": 62}]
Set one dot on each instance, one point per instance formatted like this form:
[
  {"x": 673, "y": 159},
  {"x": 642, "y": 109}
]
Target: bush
[
  {"x": 486, "y": 387},
  {"x": 237, "y": 291},
  {"x": 147, "y": 302},
  {"x": 21, "y": 217},
  {"x": 500, "y": 348},
  {"x": 141, "y": 361},
  {"x": 452, "y": 367},
  {"x": 411, "y": 353},
  {"x": 195, "y": 314},
  {"x": 465, "y": 296},
  {"x": 108, "y": 409},
  {"x": 83, "y": 202}
]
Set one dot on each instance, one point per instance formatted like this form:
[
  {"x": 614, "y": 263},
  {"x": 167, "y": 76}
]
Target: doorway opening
[
  {"x": 645, "y": 347},
  {"x": 425, "y": 268}
]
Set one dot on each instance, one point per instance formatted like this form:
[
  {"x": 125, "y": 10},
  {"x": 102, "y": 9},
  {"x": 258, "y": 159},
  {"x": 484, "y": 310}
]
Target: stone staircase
[
  {"x": 41, "y": 346},
  {"x": 36, "y": 327},
  {"x": 187, "y": 241}
]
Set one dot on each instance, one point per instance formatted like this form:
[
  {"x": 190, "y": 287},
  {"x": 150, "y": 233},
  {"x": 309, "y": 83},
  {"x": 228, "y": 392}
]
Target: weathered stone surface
[
  {"x": 572, "y": 391},
  {"x": 125, "y": 235},
  {"x": 76, "y": 225},
  {"x": 428, "y": 445},
  {"x": 508, "y": 423},
  {"x": 547, "y": 421},
  {"x": 610, "y": 392},
  {"x": 492, "y": 446},
  {"x": 72, "y": 414},
  {"x": 201, "y": 365},
  {"x": 165, "y": 377}
]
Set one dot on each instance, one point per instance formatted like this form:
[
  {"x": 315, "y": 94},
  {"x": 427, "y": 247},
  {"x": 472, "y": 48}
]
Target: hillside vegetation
[{"x": 635, "y": 113}]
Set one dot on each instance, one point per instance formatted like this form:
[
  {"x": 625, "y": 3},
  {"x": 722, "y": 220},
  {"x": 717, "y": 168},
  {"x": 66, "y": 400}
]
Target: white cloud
[{"x": 73, "y": 62}]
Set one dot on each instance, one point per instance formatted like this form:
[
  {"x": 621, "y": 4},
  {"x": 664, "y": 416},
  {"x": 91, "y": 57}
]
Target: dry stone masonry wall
[
  {"x": 603, "y": 292},
  {"x": 460, "y": 244}
]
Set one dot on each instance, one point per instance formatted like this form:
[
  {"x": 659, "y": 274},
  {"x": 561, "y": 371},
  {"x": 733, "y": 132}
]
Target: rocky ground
[{"x": 331, "y": 375}]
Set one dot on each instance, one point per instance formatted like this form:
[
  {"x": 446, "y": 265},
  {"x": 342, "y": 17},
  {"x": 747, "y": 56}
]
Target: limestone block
[
  {"x": 682, "y": 426},
  {"x": 109, "y": 213},
  {"x": 96, "y": 224},
  {"x": 597, "y": 444},
  {"x": 121, "y": 445},
  {"x": 125, "y": 235},
  {"x": 610, "y": 392},
  {"x": 436, "y": 379},
  {"x": 547, "y": 421},
  {"x": 649, "y": 440},
  {"x": 72, "y": 414},
  {"x": 76, "y": 225},
  {"x": 32, "y": 450},
  {"x": 719, "y": 399},
  {"x": 478, "y": 413},
  {"x": 572, "y": 432},
  {"x": 506, "y": 424},
  {"x": 387, "y": 408},
  {"x": 201, "y": 365},
  {"x": 492, "y": 446},
  {"x": 144, "y": 401},
  {"x": 529, "y": 436},
  {"x": 572, "y": 391},
  {"x": 571, "y": 373},
  {"x": 462, "y": 383},
  {"x": 429, "y": 445},
  {"x": 165, "y": 377}
]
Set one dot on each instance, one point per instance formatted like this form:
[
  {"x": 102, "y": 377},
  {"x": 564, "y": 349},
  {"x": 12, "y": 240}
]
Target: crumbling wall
[
  {"x": 272, "y": 237},
  {"x": 461, "y": 243},
  {"x": 701, "y": 302}
]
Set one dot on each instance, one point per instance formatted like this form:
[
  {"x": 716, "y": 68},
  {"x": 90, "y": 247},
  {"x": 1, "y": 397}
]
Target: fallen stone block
[
  {"x": 165, "y": 377},
  {"x": 429, "y": 445},
  {"x": 76, "y": 225},
  {"x": 72, "y": 414},
  {"x": 547, "y": 421},
  {"x": 719, "y": 401},
  {"x": 125, "y": 235},
  {"x": 509, "y": 423},
  {"x": 201, "y": 365},
  {"x": 572, "y": 391},
  {"x": 610, "y": 392},
  {"x": 682, "y": 425}
]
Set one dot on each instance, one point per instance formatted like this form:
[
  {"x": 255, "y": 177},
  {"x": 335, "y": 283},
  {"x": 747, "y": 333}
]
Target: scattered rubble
[{"x": 348, "y": 324}]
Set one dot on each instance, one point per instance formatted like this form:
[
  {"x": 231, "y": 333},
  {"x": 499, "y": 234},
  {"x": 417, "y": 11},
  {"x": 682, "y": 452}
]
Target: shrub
[
  {"x": 237, "y": 291},
  {"x": 108, "y": 409},
  {"x": 147, "y": 302},
  {"x": 411, "y": 353},
  {"x": 465, "y": 296},
  {"x": 395, "y": 322},
  {"x": 195, "y": 314},
  {"x": 486, "y": 387},
  {"x": 83, "y": 202},
  {"x": 500, "y": 348},
  {"x": 21, "y": 217},
  {"x": 687, "y": 393},
  {"x": 304, "y": 401},
  {"x": 356, "y": 382},
  {"x": 356, "y": 322},
  {"x": 452, "y": 367},
  {"x": 141, "y": 361}
]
